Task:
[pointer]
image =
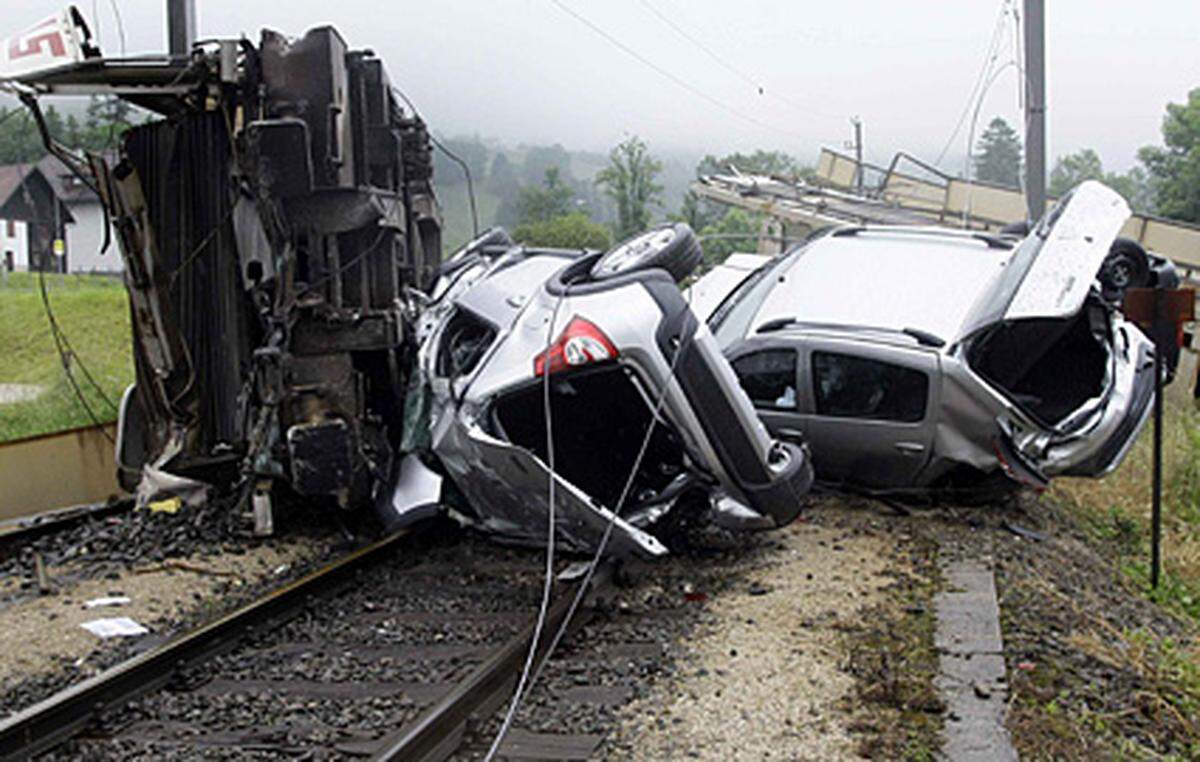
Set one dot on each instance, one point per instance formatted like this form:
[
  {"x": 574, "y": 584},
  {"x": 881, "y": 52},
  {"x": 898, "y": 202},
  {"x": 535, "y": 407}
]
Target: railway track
[
  {"x": 17, "y": 533},
  {"x": 405, "y": 649}
]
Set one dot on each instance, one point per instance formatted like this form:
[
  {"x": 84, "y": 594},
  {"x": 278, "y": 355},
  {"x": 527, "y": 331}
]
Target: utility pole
[
  {"x": 1035, "y": 107},
  {"x": 181, "y": 27},
  {"x": 858, "y": 152}
]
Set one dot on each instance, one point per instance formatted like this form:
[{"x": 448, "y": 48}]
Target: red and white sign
[{"x": 54, "y": 42}]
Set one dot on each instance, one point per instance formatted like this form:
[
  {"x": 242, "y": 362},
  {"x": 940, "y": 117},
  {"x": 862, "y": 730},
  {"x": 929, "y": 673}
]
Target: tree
[
  {"x": 540, "y": 159},
  {"x": 552, "y": 199},
  {"x": 998, "y": 155},
  {"x": 736, "y": 231},
  {"x": 629, "y": 181},
  {"x": 1073, "y": 169},
  {"x": 569, "y": 231},
  {"x": 758, "y": 163},
  {"x": 696, "y": 211},
  {"x": 1175, "y": 169}
]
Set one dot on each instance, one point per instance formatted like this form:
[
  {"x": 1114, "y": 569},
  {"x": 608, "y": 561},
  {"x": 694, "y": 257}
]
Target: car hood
[{"x": 1053, "y": 269}]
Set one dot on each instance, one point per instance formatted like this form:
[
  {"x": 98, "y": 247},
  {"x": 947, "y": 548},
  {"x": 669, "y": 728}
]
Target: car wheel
[
  {"x": 673, "y": 248},
  {"x": 1126, "y": 266}
]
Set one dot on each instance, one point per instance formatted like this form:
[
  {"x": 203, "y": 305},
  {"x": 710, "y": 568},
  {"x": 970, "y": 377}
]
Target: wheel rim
[{"x": 634, "y": 251}]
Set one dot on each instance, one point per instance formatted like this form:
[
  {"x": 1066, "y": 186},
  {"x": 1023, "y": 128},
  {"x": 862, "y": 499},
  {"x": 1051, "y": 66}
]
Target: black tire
[
  {"x": 671, "y": 247},
  {"x": 1127, "y": 266}
]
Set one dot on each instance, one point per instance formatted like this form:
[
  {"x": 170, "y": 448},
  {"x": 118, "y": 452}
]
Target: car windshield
[{"x": 731, "y": 320}]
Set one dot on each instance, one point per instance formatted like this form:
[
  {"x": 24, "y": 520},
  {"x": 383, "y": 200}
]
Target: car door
[{"x": 867, "y": 410}]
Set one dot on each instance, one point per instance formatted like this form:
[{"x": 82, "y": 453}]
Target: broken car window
[
  {"x": 769, "y": 378},
  {"x": 855, "y": 387}
]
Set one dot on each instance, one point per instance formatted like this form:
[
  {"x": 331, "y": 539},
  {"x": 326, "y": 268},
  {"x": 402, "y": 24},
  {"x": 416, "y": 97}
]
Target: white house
[{"x": 85, "y": 236}]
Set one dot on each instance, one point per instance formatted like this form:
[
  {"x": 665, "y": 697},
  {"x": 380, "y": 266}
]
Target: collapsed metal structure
[{"x": 271, "y": 222}]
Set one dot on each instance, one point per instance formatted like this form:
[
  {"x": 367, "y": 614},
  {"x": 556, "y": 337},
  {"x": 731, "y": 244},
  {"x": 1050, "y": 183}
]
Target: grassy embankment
[
  {"x": 1158, "y": 663},
  {"x": 93, "y": 313}
]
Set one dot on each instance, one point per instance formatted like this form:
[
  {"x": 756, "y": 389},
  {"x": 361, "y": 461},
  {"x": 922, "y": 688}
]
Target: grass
[
  {"x": 93, "y": 313},
  {"x": 1116, "y": 509},
  {"x": 1125, "y": 682},
  {"x": 898, "y": 713}
]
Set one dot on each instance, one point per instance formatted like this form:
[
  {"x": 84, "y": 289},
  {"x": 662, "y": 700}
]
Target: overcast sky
[{"x": 528, "y": 71}]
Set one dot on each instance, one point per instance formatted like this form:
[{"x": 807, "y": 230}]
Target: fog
[{"x": 527, "y": 71}]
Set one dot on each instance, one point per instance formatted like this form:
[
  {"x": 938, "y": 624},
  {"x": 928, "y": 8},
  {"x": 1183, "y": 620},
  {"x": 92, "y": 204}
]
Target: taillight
[{"x": 580, "y": 343}]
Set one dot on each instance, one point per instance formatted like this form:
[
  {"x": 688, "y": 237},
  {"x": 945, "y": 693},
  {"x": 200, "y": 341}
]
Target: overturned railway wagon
[{"x": 271, "y": 219}]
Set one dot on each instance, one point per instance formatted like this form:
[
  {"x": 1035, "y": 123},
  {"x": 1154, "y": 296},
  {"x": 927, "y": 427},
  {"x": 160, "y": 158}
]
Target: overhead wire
[
  {"x": 758, "y": 86},
  {"x": 453, "y": 157},
  {"x": 120, "y": 25},
  {"x": 989, "y": 58},
  {"x": 683, "y": 84}
]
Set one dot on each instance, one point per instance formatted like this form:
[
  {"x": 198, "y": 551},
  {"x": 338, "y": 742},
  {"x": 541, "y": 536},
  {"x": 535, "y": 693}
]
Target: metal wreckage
[{"x": 293, "y": 322}]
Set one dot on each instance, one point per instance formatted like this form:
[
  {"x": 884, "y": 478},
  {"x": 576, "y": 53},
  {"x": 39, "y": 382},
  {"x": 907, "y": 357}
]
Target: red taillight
[{"x": 580, "y": 343}]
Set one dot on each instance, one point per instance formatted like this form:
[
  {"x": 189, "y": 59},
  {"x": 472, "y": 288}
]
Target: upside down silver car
[{"x": 649, "y": 423}]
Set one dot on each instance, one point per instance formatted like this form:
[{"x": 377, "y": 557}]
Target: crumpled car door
[{"x": 514, "y": 485}]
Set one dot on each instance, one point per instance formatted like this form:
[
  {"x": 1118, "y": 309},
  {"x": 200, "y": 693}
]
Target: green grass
[
  {"x": 93, "y": 313},
  {"x": 1116, "y": 509}
]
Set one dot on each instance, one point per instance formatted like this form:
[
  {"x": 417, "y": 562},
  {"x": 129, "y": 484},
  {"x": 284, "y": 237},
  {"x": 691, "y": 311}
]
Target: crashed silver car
[
  {"x": 938, "y": 359},
  {"x": 608, "y": 344}
]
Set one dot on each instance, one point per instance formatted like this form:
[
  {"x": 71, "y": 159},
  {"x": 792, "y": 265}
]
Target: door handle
[
  {"x": 910, "y": 448},
  {"x": 791, "y": 434}
]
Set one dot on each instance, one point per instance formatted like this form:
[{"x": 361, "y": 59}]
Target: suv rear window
[
  {"x": 769, "y": 378},
  {"x": 855, "y": 387}
]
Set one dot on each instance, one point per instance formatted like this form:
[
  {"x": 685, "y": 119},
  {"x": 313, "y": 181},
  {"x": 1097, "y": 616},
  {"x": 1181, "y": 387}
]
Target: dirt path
[
  {"x": 765, "y": 678},
  {"x": 44, "y": 633}
]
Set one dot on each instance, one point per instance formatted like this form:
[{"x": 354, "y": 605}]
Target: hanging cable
[
  {"x": 453, "y": 157},
  {"x": 120, "y": 24},
  {"x": 988, "y": 61},
  {"x": 551, "y": 530},
  {"x": 594, "y": 563},
  {"x": 668, "y": 75}
]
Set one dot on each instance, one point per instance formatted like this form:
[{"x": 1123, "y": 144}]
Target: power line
[
  {"x": 668, "y": 75},
  {"x": 989, "y": 59},
  {"x": 721, "y": 61}
]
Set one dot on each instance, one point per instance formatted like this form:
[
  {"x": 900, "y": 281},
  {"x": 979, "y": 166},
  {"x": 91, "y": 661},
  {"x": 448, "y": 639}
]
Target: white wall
[
  {"x": 85, "y": 238},
  {"x": 18, "y": 244}
]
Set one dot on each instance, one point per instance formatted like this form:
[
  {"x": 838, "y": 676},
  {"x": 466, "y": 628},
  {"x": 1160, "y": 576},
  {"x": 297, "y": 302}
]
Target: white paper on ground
[
  {"x": 120, "y": 627},
  {"x": 112, "y": 600}
]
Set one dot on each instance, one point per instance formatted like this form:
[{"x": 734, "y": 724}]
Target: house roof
[
  {"x": 64, "y": 182},
  {"x": 12, "y": 176}
]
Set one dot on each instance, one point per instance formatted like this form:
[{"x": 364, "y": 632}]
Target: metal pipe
[
  {"x": 181, "y": 27},
  {"x": 1035, "y": 107}
]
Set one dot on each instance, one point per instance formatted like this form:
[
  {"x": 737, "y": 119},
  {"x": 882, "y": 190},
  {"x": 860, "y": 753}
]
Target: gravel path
[{"x": 761, "y": 678}]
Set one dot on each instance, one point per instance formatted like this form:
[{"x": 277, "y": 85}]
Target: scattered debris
[
  {"x": 1021, "y": 531},
  {"x": 112, "y": 600},
  {"x": 119, "y": 627}
]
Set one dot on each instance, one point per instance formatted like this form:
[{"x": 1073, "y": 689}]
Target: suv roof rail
[{"x": 992, "y": 241}]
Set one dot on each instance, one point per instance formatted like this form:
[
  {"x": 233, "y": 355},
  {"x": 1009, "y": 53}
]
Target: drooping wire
[
  {"x": 454, "y": 158},
  {"x": 66, "y": 352},
  {"x": 989, "y": 59},
  {"x": 551, "y": 530},
  {"x": 593, "y": 564},
  {"x": 668, "y": 75},
  {"x": 120, "y": 24}
]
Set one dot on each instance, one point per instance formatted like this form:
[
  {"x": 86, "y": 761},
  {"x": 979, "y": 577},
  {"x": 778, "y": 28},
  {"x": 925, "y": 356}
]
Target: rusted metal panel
[{"x": 69, "y": 468}]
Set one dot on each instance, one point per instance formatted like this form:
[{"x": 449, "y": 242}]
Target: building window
[
  {"x": 769, "y": 378},
  {"x": 855, "y": 387}
]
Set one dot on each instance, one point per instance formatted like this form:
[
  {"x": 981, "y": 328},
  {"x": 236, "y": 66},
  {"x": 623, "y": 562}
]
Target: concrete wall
[{"x": 57, "y": 471}]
